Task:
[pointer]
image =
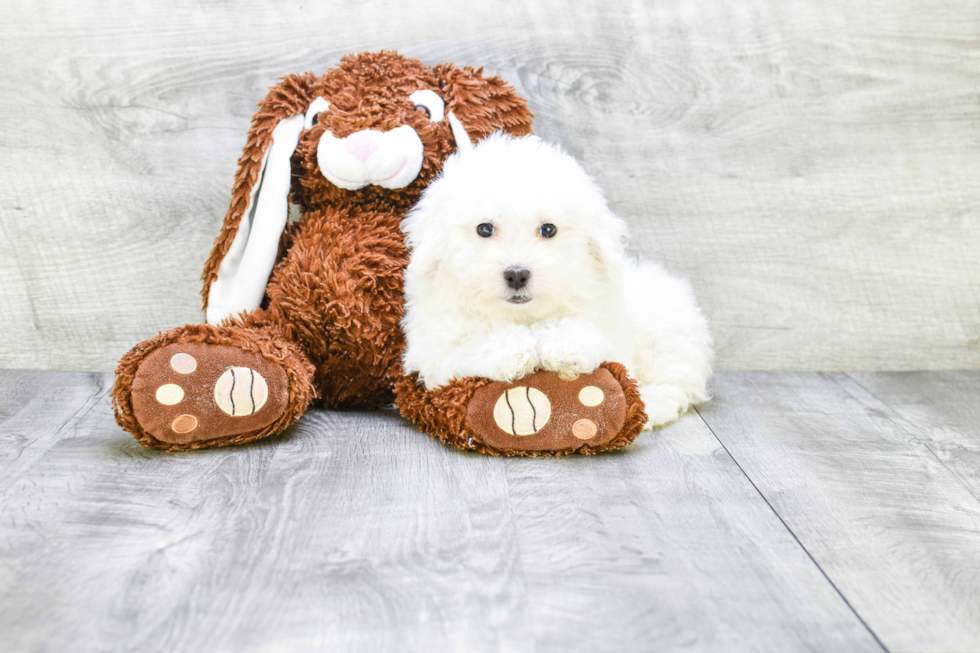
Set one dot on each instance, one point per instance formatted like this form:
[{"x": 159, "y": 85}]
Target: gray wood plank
[
  {"x": 18, "y": 388},
  {"x": 667, "y": 546},
  {"x": 381, "y": 539},
  {"x": 36, "y": 409},
  {"x": 811, "y": 166},
  {"x": 892, "y": 528},
  {"x": 354, "y": 532},
  {"x": 941, "y": 409},
  {"x": 105, "y": 545}
]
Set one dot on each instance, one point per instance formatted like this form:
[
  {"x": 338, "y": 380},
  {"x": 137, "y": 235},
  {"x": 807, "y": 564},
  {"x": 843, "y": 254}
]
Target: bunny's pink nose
[{"x": 363, "y": 144}]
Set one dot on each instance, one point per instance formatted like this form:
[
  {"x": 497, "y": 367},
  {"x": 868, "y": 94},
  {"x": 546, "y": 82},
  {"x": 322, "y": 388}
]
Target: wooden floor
[{"x": 797, "y": 511}]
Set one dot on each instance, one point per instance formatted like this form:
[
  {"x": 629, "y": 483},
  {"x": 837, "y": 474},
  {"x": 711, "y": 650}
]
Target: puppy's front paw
[
  {"x": 571, "y": 349},
  {"x": 664, "y": 404},
  {"x": 506, "y": 355}
]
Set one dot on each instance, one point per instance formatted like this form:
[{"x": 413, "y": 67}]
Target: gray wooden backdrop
[{"x": 813, "y": 166}]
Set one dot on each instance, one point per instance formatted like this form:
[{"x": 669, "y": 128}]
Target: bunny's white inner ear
[
  {"x": 244, "y": 271},
  {"x": 316, "y": 106},
  {"x": 463, "y": 142}
]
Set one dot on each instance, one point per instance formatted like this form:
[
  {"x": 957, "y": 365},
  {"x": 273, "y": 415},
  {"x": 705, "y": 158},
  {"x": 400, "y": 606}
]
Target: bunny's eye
[
  {"x": 430, "y": 103},
  {"x": 485, "y": 229}
]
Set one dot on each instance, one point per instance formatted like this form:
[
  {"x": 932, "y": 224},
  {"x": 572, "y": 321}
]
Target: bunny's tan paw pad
[
  {"x": 547, "y": 414},
  {"x": 196, "y": 391}
]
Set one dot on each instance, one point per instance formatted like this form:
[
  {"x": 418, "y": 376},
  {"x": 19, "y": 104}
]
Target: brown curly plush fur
[
  {"x": 368, "y": 91},
  {"x": 442, "y": 414},
  {"x": 334, "y": 300}
]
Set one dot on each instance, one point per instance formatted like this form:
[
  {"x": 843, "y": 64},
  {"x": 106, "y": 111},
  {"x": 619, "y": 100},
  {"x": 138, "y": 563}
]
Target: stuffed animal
[{"x": 309, "y": 311}]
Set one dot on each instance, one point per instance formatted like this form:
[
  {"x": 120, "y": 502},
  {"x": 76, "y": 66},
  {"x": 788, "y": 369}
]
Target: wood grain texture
[
  {"x": 387, "y": 539},
  {"x": 941, "y": 409},
  {"x": 107, "y": 546},
  {"x": 893, "y": 528},
  {"x": 353, "y": 532},
  {"x": 36, "y": 409},
  {"x": 666, "y": 546},
  {"x": 811, "y": 166}
]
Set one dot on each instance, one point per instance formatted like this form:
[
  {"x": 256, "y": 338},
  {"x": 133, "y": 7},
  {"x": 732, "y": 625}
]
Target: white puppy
[{"x": 518, "y": 264}]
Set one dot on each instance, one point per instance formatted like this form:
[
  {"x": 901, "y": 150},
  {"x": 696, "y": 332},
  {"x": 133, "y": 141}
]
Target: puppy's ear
[
  {"x": 482, "y": 104},
  {"x": 607, "y": 241},
  {"x": 424, "y": 233},
  {"x": 236, "y": 274}
]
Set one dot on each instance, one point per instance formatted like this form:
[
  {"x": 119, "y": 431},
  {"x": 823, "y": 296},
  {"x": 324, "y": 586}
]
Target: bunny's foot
[
  {"x": 204, "y": 386},
  {"x": 540, "y": 414}
]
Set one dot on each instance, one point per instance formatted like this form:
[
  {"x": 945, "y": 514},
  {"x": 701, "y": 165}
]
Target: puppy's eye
[
  {"x": 485, "y": 229},
  {"x": 548, "y": 230},
  {"x": 428, "y": 114}
]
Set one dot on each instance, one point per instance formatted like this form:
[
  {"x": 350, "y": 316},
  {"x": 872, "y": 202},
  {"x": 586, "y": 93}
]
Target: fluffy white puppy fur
[{"x": 584, "y": 301}]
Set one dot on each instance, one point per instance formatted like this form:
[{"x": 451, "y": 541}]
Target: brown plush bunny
[{"x": 310, "y": 311}]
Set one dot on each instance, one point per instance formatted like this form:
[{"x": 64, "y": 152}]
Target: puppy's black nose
[{"x": 517, "y": 277}]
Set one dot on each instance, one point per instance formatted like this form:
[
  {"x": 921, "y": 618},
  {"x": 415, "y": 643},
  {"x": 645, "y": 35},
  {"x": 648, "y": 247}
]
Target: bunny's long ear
[
  {"x": 236, "y": 274},
  {"x": 481, "y": 105}
]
